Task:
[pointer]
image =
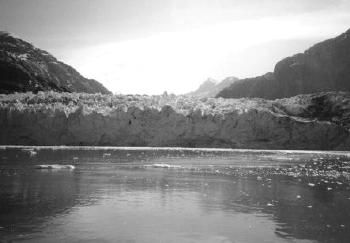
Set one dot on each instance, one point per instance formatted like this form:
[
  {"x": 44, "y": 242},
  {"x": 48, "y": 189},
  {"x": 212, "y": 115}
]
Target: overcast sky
[{"x": 149, "y": 46}]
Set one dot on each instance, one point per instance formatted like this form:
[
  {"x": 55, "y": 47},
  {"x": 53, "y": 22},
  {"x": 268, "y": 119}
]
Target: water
[{"x": 173, "y": 195}]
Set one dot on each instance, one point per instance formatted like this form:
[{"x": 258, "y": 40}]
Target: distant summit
[
  {"x": 24, "y": 67},
  {"x": 323, "y": 67},
  {"x": 211, "y": 87}
]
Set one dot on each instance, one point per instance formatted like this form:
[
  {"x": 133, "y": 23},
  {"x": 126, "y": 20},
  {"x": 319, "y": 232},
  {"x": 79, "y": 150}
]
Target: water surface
[{"x": 173, "y": 195}]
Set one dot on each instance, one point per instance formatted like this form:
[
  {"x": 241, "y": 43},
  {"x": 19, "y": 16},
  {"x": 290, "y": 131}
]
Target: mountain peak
[
  {"x": 211, "y": 87},
  {"x": 210, "y": 80}
]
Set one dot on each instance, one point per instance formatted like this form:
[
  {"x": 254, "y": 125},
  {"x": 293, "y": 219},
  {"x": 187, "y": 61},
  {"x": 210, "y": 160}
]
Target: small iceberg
[
  {"x": 106, "y": 155},
  {"x": 55, "y": 167},
  {"x": 31, "y": 152},
  {"x": 166, "y": 166}
]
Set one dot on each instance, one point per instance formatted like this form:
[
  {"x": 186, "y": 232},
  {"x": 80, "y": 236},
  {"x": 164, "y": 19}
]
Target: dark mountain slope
[
  {"x": 323, "y": 67},
  {"x": 26, "y": 68}
]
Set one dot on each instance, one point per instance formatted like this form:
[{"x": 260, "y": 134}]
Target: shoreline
[{"x": 65, "y": 147}]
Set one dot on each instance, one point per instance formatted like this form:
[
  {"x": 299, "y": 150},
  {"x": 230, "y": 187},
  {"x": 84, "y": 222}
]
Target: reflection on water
[{"x": 116, "y": 195}]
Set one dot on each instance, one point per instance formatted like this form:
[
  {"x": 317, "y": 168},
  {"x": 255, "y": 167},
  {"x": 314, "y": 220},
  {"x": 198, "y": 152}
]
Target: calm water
[{"x": 173, "y": 195}]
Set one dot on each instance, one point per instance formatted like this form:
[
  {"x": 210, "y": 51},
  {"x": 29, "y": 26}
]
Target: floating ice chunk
[
  {"x": 55, "y": 167},
  {"x": 105, "y": 155},
  {"x": 166, "y": 166},
  {"x": 32, "y": 153}
]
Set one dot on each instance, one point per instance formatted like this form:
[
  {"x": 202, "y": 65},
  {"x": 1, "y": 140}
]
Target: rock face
[
  {"x": 318, "y": 121},
  {"x": 26, "y": 68},
  {"x": 210, "y": 87},
  {"x": 323, "y": 67}
]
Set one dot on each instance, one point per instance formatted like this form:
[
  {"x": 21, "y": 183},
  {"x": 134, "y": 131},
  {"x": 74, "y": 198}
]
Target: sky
[{"x": 152, "y": 46}]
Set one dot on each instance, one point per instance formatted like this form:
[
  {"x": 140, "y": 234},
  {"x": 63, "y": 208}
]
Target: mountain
[
  {"x": 323, "y": 67},
  {"x": 210, "y": 87},
  {"x": 24, "y": 67}
]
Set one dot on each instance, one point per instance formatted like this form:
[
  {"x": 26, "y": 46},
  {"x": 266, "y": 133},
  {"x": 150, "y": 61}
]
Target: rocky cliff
[
  {"x": 323, "y": 67},
  {"x": 318, "y": 121},
  {"x": 24, "y": 67}
]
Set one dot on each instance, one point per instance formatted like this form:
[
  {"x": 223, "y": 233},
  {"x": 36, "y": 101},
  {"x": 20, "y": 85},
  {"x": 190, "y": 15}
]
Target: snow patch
[{"x": 23, "y": 57}]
